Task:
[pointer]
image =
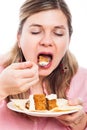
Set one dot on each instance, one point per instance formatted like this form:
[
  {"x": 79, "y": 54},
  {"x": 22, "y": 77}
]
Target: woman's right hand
[{"x": 17, "y": 78}]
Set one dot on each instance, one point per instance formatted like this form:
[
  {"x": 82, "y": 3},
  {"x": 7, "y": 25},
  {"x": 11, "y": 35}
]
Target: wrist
[
  {"x": 2, "y": 97},
  {"x": 2, "y": 94}
]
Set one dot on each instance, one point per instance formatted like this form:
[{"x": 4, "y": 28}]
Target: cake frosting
[{"x": 51, "y": 96}]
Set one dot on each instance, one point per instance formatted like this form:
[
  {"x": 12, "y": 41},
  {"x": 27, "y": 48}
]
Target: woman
[{"x": 44, "y": 31}]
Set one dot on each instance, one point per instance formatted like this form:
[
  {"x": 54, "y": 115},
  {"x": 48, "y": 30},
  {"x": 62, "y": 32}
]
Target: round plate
[{"x": 13, "y": 107}]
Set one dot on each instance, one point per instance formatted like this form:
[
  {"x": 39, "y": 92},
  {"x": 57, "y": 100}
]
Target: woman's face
[{"x": 45, "y": 35}]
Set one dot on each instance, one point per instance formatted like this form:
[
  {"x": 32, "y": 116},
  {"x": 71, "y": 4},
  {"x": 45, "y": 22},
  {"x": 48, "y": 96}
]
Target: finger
[
  {"x": 80, "y": 101},
  {"x": 23, "y": 88},
  {"x": 80, "y": 115},
  {"x": 27, "y": 73},
  {"x": 22, "y": 65},
  {"x": 28, "y": 85},
  {"x": 24, "y": 81},
  {"x": 77, "y": 101},
  {"x": 64, "y": 122},
  {"x": 72, "y": 117}
]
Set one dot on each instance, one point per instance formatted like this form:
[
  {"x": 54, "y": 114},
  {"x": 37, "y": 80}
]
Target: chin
[{"x": 45, "y": 73}]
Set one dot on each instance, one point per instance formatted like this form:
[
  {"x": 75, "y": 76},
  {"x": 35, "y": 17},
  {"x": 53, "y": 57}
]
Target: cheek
[
  {"x": 62, "y": 47},
  {"x": 28, "y": 51},
  {"x": 26, "y": 42},
  {"x": 65, "y": 48},
  {"x": 65, "y": 45},
  {"x": 26, "y": 48},
  {"x": 61, "y": 50}
]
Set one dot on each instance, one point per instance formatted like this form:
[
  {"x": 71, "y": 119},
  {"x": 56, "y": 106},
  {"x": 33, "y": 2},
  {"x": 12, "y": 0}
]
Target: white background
[{"x": 9, "y": 11}]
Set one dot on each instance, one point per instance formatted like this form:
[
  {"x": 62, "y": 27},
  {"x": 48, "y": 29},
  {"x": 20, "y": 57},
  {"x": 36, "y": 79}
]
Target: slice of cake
[
  {"x": 41, "y": 102},
  {"x": 36, "y": 102},
  {"x": 51, "y": 101}
]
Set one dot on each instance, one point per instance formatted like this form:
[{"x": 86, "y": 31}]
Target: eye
[
  {"x": 58, "y": 34},
  {"x": 35, "y": 32}
]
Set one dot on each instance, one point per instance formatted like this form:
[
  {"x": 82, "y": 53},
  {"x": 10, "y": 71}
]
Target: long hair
[{"x": 59, "y": 80}]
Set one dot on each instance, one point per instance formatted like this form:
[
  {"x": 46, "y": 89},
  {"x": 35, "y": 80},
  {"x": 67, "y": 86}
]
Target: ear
[{"x": 18, "y": 39}]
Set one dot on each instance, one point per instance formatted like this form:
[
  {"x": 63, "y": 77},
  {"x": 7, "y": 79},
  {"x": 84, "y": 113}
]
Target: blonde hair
[{"x": 59, "y": 80}]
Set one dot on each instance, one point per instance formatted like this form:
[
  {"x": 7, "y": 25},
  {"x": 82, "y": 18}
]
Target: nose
[{"x": 46, "y": 40}]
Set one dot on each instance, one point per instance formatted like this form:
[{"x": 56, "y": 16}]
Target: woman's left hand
[{"x": 75, "y": 121}]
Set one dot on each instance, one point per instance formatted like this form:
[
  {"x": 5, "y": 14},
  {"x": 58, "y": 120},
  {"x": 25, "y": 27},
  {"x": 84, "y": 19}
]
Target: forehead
[{"x": 49, "y": 17}]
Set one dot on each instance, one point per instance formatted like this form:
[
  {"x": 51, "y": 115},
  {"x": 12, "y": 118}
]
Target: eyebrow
[
  {"x": 36, "y": 25},
  {"x": 60, "y": 27},
  {"x": 56, "y": 27}
]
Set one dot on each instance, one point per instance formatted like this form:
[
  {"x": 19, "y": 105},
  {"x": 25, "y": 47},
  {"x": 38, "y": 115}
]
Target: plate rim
[{"x": 12, "y": 107}]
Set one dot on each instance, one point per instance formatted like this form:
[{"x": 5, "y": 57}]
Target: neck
[{"x": 37, "y": 88}]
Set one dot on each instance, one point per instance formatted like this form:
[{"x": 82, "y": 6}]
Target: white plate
[{"x": 72, "y": 109}]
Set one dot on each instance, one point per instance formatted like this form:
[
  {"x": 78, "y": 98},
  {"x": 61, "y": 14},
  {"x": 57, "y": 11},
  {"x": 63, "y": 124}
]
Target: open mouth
[{"x": 44, "y": 59}]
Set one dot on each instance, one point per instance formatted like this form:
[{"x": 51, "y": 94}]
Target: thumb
[{"x": 77, "y": 101}]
